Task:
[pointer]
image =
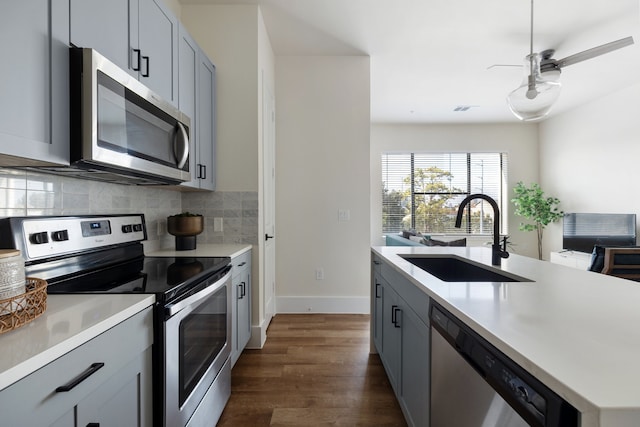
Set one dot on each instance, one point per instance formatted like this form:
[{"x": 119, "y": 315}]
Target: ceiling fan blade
[
  {"x": 502, "y": 65},
  {"x": 596, "y": 51}
]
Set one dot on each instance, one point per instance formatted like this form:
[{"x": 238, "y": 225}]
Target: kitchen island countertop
[
  {"x": 68, "y": 322},
  {"x": 576, "y": 331}
]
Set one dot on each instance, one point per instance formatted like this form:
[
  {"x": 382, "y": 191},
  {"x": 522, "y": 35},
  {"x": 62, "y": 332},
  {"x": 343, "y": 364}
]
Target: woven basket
[{"x": 25, "y": 307}]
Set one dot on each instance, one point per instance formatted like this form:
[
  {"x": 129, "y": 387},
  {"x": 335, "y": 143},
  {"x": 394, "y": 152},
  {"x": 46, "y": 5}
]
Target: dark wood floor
[{"x": 314, "y": 370}]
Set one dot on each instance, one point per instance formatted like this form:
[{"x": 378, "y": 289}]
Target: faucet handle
[{"x": 503, "y": 252}]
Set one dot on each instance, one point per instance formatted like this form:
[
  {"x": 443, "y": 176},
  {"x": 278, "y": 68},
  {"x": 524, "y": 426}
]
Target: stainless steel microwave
[{"x": 120, "y": 130}]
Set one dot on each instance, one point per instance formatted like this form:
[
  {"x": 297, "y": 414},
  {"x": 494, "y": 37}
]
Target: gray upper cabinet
[
  {"x": 158, "y": 45},
  {"x": 104, "y": 26},
  {"x": 197, "y": 76},
  {"x": 187, "y": 103},
  {"x": 140, "y": 36},
  {"x": 34, "y": 83},
  {"x": 206, "y": 123}
]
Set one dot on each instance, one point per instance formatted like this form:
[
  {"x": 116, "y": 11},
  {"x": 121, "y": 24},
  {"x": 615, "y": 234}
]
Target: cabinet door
[
  {"x": 34, "y": 82},
  {"x": 391, "y": 344},
  {"x": 378, "y": 318},
  {"x": 206, "y": 122},
  {"x": 187, "y": 96},
  {"x": 103, "y": 26},
  {"x": 158, "y": 43},
  {"x": 415, "y": 356},
  {"x": 241, "y": 295},
  {"x": 244, "y": 310},
  {"x": 123, "y": 400}
]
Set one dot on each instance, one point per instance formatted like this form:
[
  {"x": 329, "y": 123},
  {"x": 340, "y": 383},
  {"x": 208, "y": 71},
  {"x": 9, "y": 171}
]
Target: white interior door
[{"x": 269, "y": 180}]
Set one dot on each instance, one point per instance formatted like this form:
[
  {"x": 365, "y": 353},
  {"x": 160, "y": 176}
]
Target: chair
[{"x": 622, "y": 262}]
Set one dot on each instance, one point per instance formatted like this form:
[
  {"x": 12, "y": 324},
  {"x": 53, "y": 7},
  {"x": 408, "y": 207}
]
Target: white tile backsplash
[{"x": 27, "y": 193}]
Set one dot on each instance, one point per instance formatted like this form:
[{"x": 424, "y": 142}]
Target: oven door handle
[{"x": 172, "y": 309}]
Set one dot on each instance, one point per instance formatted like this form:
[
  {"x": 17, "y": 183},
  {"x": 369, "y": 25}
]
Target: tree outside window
[{"x": 423, "y": 191}]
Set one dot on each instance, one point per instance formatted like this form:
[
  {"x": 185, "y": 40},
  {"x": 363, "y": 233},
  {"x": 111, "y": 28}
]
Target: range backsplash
[{"x": 25, "y": 193}]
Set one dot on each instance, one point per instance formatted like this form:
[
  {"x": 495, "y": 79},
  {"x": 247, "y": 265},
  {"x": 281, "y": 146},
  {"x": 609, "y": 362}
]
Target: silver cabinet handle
[{"x": 181, "y": 146}]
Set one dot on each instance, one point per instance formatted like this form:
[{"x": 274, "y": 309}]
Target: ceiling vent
[{"x": 464, "y": 107}]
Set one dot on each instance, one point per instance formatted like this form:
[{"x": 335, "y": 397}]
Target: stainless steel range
[{"x": 192, "y": 319}]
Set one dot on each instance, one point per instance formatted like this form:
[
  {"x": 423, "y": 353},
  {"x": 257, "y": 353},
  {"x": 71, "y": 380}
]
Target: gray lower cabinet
[
  {"x": 197, "y": 100},
  {"x": 116, "y": 393},
  {"x": 140, "y": 36},
  {"x": 401, "y": 336},
  {"x": 34, "y": 83},
  {"x": 377, "y": 308},
  {"x": 241, "y": 296}
]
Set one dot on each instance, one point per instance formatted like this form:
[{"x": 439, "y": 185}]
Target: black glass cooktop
[{"x": 165, "y": 277}]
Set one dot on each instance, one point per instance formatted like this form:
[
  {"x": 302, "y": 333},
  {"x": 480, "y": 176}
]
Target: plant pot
[{"x": 185, "y": 228}]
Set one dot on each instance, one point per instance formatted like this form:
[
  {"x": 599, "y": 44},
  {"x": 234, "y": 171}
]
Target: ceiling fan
[{"x": 540, "y": 88}]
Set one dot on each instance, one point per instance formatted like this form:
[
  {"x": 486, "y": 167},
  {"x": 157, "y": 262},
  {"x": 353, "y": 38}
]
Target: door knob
[{"x": 267, "y": 237}]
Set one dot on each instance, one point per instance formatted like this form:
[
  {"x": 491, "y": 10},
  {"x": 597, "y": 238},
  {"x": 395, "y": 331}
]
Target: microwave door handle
[{"x": 181, "y": 146}]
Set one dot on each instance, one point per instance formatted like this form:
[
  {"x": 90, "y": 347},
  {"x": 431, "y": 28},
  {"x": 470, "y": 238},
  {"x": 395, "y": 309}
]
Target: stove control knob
[
  {"x": 39, "y": 238},
  {"x": 127, "y": 228},
  {"x": 137, "y": 227},
  {"x": 60, "y": 235}
]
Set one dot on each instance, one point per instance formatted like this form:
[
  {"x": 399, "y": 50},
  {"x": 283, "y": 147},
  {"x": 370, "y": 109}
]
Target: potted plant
[
  {"x": 531, "y": 203},
  {"x": 185, "y": 226}
]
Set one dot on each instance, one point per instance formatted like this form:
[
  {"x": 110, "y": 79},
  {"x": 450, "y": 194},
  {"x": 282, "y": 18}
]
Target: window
[{"x": 422, "y": 191}]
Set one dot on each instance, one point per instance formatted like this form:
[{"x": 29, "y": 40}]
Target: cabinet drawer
[
  {"x": 240, "y": 263},
  {"x": 34, "y": 399}
]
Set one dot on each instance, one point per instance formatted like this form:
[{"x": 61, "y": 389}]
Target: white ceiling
[{"x": 430, "y": 56}]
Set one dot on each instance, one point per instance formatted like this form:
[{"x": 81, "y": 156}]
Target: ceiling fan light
[{"x": 535, "y": 96}]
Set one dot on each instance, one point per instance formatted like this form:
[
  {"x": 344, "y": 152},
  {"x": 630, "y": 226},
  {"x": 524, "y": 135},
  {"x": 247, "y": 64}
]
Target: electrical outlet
[
  {"x": 217, "y": 224},
  {"x": 319, "y": 274},
  {"x": 344, "y": 215},
  {"x": 162, "y": 228}
]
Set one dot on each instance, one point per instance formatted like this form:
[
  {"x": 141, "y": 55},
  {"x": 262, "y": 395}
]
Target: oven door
[{"x": 197, "y": 344}]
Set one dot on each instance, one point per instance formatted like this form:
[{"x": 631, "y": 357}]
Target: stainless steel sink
[{"x": 454, "y": 269}]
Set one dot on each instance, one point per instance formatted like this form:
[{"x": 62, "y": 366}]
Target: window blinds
[{"x": 422, "y": 191}]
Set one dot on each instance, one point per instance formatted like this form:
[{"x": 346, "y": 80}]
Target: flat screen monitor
[{"x": 582, "y": 231}]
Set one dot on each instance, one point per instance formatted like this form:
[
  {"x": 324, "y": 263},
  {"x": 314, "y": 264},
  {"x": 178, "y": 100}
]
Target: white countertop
[
  {"x": 576, "y": 331},
  {"x": 206, "y": 249},
  {"x": 72, "y": 320},
  {"x": 68, "y": 322}
]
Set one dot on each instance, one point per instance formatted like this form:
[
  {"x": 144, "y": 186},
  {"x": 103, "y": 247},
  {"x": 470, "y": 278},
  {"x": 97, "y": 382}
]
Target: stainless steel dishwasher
[{"x": 473, "y": 384}]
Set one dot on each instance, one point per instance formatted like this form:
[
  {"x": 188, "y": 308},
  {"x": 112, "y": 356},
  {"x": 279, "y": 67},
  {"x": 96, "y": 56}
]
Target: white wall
[
  {"x": 589, "y": 158},
  {"x": 236, "y": 40},
  {"x": 174, "y": 6},
  {"x": 322, "y": 152},
  {"x": 229, "y": 36},
  {"x": 519, "y": 141}
]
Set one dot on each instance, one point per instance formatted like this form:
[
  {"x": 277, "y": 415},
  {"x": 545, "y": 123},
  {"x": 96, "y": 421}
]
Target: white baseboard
[
  {"x": 334, "y": 305},
  {"x": 258, "y": 335}
]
